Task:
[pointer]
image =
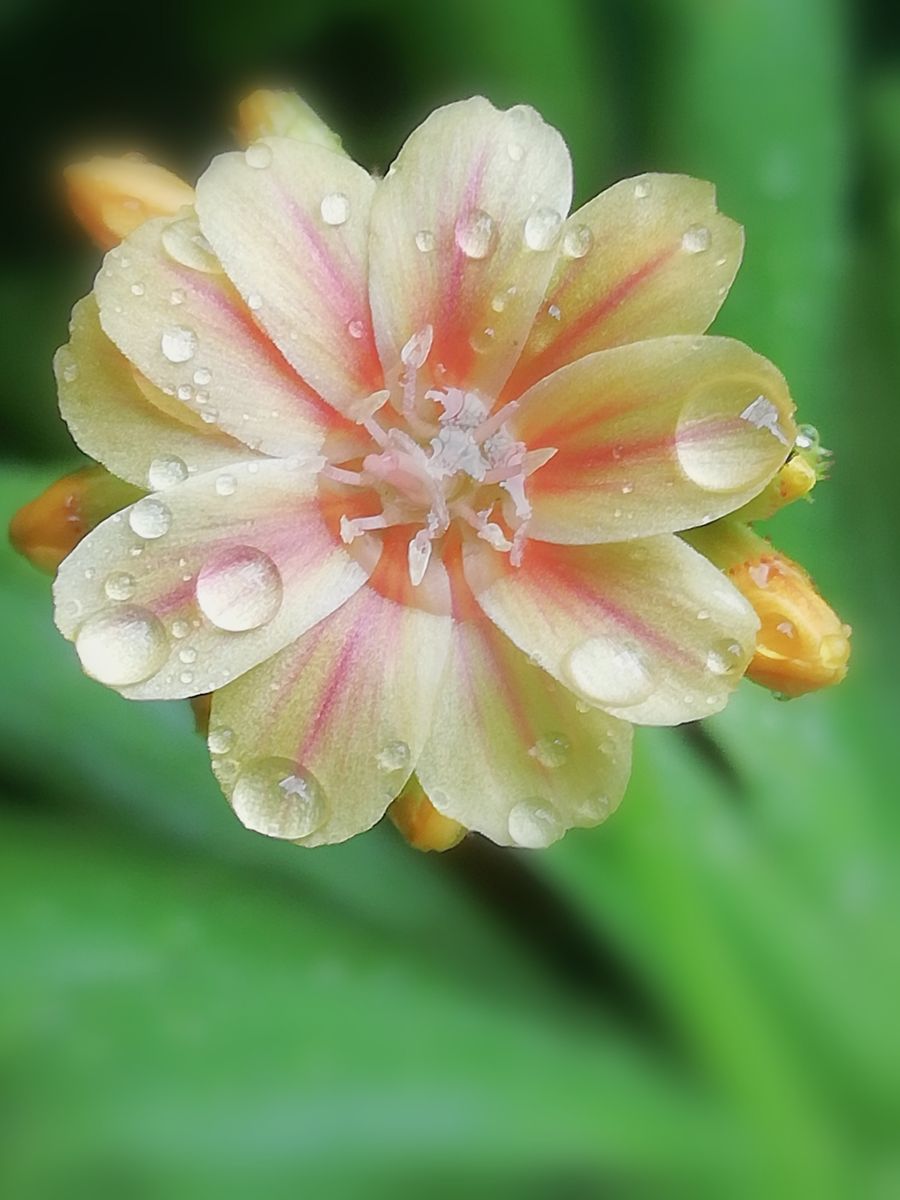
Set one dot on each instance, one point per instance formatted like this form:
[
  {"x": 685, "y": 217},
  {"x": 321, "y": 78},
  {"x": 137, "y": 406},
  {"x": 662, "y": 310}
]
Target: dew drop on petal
[
  {"x": 119, "y": 586},
  {"x": 178, "y": 344},
  {"x": 725, "y": 657},
  {"x": 642, "y": 189},
  {"x": 183, "y": 243},
  {"x": 278, "y": 798},
  {"x": 165, "y": 471},
  {"x": 226, "y": 485},
  {"x": 70, "y": 372},
  {"x": 202, "y": 377},
  {"x": 137, "y": 289},
  {"x": 516, "y": 151},
  {"x": 239, "y": 588},
  {"x": 258, "y": 155},
  {"x": 187, "y": 654},
  {"x": 608, "y": 672},
  {"x": 594, "y": 809},
  {"x": 356, "y": 329},
  {"x": 534, "y": 824},
  {"x": 335, "y": 208},
  {"x": 220, "y": 739},
  {"x": 180, "y": 629},
  {"x": 425, "y": 241},
  {"x": 254, "y": 301},
  {"x": 476, "y": 234},
  {"x": 122, "y": 646},
  {"x": 395, "y": 756},
  {"x": 577, "y": 241},
  {"x": 542, "y": 229},
  {"x": 417, "y": 348},
  {"x": 150, "y": 518},
  {"x": 696, "y": 239},
  {"x": 552, "y": 750}
]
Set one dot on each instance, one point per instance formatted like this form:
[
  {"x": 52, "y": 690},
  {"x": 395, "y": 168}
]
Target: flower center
[{"x": 440, "y": 455}]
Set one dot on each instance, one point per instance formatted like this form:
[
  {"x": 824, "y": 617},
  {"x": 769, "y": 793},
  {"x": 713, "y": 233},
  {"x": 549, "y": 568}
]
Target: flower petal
[
  {"x": 510, "y": 754},
  {"x": 345, "y": 710},
  {"x": 166, "y": 304},
  {"x": 188, "y": 588},
  {"x": 112, "y": 417},
  {"x": 650, "y": 631},
  {"x": 464, "y": 230},
  {"x": 654, "y": 437},
  {"x": 289, "y": 221},
  {"x": 648, "y": 257}
]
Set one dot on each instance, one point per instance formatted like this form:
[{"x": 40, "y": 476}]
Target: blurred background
[{"x": 701, "y": 997}]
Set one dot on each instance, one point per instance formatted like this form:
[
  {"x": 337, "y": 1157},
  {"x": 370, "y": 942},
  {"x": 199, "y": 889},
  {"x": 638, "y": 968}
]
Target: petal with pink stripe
[
  {"x": 653, "y": 438},
  {"x": 125, "y": 423},
  {"x": 650, "y": 631},
  {"x": 166, "y": 304},
  {"x": 648, "y": 257},
  {"x": 464, "y": 234},
  {"x": 511, "y": 754},
  {"x": 191, "y": 587},
  {"x": 289, "y": 221},
  {"x": 314, "y": 744}
]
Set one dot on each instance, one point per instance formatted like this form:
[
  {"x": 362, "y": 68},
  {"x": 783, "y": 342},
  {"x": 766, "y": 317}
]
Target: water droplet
[
  {"x": 202, "y": 377},
  {"x": 642, "y": 189},
  {"x": 277, "y": 797},
  {"x": 183, "y": 242},
  {"x": 425, "y": 241},
  {"x": 725, "y": 657},
  {"x": 185, "y": 392},
  {"x": 176, "y": 296},
  {"x": 226, "y": 485},
  {"x": 696, "y": 239},
  {"x": 165, "y": 471},
  {"x": 255, "y": 301},
  {"x": 187, "y": 654},
  {"x": 534, "y": 824},
  {"x": 137, "y": 289},
  {"x": 258, "y": 155},
  {"x": 552, "y": 750},
  {"x": 209, "y": 415},
  {"x": 178, "y": 344},
  {"x": 417, "y": 348},
  {"x": 542, "y": 229},
  {"x": 180, "y": 629},
  {"x": 356, "y": 329},
  {"x": 498, "y": 304},
  {"x": 220, "y": 739},
  {"x": 807, "y": 437},
  {"x": 608, "y": 672},
  {"x": 119, "y": 586},
  {"x": 554, "y": 311},
  {"x": 482, "y": 340},
  {"x": 122, "y": 646},
  {"x": 150, "y": 518},
  {"x": 516, "y": 151},
  {"x": 577, "y": 241},
  {"x": 335, "y": 208},
  {"x": 239, "y": 588},
  {"x": 702, "y": 614},
  {"x": 476, "y": 234},
  {"x": 70, "y": 372},
  {"x": 395, "y": 756}
]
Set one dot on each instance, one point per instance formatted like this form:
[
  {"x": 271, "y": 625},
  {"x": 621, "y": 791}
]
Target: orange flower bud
[
  {"x": 421, "y": 823},
  {"x": 51, "y": 525},
  {"x": 113, "y": 196},
  {"x": 267, "y": 113}
]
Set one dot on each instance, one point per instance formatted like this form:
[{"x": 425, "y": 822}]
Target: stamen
[
  {"x": 419, "y": 556},
  {"x": 341, "y": 475},
  {"x": 493, "y": 422}
]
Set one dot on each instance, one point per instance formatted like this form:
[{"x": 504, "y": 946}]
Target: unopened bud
[
  {"x": 267, "y": 113},
  {"x": 421, "y": 823},
  {"x": 51, "y": 525},
  {"x": 111, "y": 197}
]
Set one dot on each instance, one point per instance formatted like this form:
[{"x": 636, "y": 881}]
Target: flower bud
[
  {"x": 421, "y": 823},
  {"x": 113, "y": 196},
  {"x": 51, "y": 525},
  {"x": 267, "y": 113}
]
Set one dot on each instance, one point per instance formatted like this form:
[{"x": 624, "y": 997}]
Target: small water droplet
[
  {"x": 395, "y": 756},
  {"x": 425, "y": 241},
  {"x": 165, "y": 471},
  {"x": 119, "y": 586},
  {"x": 542, "y": 229},
  {"x": 696, "y": 239},
  {"x": 89, "y": 572},
  {"x": 608, "y": 671},
  {"x": 226, "y": 485},
  {"x": 122, "y": 646},
  {"x": 137, "y": 289},
  {"x": 476, "y": 234},
  {"x": 335, "y": 208},
  {"x": 209, "y": 415},
  {"x": 498, "y": 304},
  {"x": 186, "y": 677},
  {"x": 239, "y": 588},
  {"x": 202, "y": 377},
  {"x": 417, "y": 348},
  {"x": 70, "y": 372},
  {"x": 554, "y": 311},
  {"x": 254, "y": 301},
  {"x": 178, "y": 344},
  {"x": 807, "y": 437},
  {"x": 258, "y": 155},
  {"x": 577, "y": 241},
  {"x": 552, "y": 750},
  {"x": 642, "y": 189},
  {"x": 185, "y": 392},
  {"x": 278, "y": 798},
  {"x": 534, "y": 824},
  {"x": 180, "y": 629},
  {"x": 516, "y": 151},
  {"x": 356, "y": 329},
  {"x": 187, "y": 654},
  {"x": 725, "y": 657},
  {"x": 176, "y": 296},
  {"x": 220, "y": 739},
  {"x": 150, "y": 518}
]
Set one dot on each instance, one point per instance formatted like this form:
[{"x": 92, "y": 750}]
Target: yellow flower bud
[
  {"x": 51, "y": 525},
  {"x": 421, "y": 823},
  {"x": 113, "y": 196},
  {"x": 796, "y": 479},
  {"x": 267, "y": 113}
]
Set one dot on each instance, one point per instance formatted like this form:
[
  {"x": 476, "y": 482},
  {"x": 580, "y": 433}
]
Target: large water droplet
[
  {"x": 122, "y": 646},
  {"x": 577, "y": 241},
  {"x": 395, "y": 756},
  {"x": 178, "y": 344},
  {"x": 542, "y": 229},
  {"x": 534, "y": 824},
  {"x": 608, "y": 672},
  {"x": 696, "y": 239},
  {"x": 748, "y": 450},
  {"x": 277, "y": 797},
  {"x": 258, "y": 155},
  {"x": 239, "y": 588},
  {"x": 150, "y": 518},
  {"x": 165, "y": 471},
  {"x": 335, "y": 208},
  {"x": 552, "y": 750},
  {"x": 476, "y": 234},
  {"x": 119, "y": 586},
  {"x": 725, "y": 657}
]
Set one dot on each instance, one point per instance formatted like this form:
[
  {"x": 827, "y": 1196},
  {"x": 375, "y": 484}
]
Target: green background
[{"x": 700, "y": 998}]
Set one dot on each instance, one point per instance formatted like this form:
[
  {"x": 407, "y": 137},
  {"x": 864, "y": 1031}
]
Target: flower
[{"x": 418, "y": 450}]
